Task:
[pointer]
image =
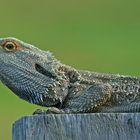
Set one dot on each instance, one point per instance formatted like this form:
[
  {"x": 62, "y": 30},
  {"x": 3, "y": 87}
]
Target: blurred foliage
[{"x": 95, "y": 35}]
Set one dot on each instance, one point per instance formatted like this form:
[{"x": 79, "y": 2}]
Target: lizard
[{"x": 39, "y": 78}]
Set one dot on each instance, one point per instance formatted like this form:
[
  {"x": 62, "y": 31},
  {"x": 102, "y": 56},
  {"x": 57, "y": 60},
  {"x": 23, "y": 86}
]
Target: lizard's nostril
[{"x": 43, "y": 71}]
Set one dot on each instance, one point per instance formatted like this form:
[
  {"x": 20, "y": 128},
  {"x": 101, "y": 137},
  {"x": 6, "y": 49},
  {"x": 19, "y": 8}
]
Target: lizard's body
[
  {"x": 37, "y": 77},
  {"x": 125, "y": 89}
]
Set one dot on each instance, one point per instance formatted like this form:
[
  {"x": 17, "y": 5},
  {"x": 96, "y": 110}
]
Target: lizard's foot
[
  {"x": 51, "y": 110},
  {"x": 39, "y": 112}
]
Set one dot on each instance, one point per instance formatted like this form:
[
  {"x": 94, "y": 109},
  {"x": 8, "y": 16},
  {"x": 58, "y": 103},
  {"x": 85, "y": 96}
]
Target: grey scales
[{"x": 39, "y": 78}]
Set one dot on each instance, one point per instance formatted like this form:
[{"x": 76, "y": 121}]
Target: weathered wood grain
[{"x": 104, "y": 126}]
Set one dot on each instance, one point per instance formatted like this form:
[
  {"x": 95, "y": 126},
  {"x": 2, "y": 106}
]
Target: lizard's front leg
[{"x": 88, "y": 100}]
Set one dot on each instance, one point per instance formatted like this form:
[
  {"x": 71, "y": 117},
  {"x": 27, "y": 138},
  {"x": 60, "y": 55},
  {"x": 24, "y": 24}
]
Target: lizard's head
[{"x": 31, "y": 73}]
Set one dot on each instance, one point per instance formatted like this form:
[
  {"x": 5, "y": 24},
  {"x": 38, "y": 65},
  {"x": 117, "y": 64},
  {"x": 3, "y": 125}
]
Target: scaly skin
[{"x": 37, "y": 77}]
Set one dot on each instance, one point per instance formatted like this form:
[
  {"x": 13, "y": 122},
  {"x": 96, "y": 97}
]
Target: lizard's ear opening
[{"x": 43, "y": 71}]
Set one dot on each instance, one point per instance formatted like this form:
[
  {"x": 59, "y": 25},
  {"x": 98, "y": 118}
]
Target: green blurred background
[{"x": 94, "y": 35}]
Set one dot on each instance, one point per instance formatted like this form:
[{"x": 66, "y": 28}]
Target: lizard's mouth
[{"x": 43, "y": 71}]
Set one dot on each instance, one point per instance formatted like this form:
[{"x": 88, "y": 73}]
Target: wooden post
[{"x": 97, "y": 126}]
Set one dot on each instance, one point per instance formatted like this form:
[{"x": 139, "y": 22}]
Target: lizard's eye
[{"x": 10, "y": 46}]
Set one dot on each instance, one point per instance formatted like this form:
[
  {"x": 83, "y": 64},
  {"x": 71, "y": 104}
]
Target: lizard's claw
[{"x": 55, "y": 110}]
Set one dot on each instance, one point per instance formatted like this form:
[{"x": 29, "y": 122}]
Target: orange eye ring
[{"x": 10, "y": 46}]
